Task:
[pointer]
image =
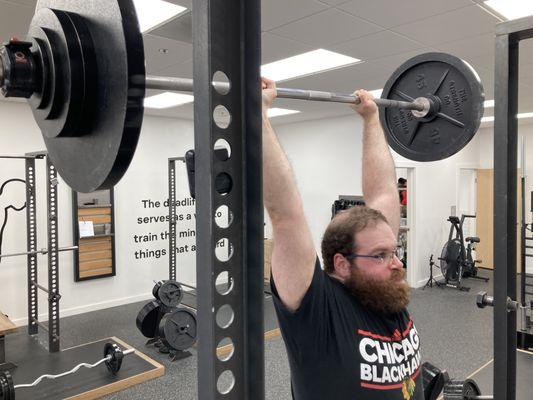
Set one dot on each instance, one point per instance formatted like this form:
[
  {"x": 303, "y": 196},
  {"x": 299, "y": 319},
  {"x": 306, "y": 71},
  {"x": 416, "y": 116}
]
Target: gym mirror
[{"x": 93, "y": 224}]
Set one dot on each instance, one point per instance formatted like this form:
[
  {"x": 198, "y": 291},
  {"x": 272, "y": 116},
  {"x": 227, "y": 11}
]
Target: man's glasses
[{"x": 381, "y": 258}]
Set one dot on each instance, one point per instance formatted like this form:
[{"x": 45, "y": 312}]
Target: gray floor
[{"x": 455, "y": 335}]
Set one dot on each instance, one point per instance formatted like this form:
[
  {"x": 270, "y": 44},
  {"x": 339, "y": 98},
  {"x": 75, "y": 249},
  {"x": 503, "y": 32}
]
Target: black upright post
[
  {"x": 172, "y": 219},
  {"x": 227, "y": 39},
  {"x": 505, "y": 164},
  {"x": 31, "y": 234},
  {"x": 53, "y": 259}
]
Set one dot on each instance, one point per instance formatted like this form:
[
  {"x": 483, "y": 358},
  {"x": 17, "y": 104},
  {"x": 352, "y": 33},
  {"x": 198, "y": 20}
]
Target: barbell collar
[
  {"x": 125, "y": 353},
  {"x": 187, "y": 85}
]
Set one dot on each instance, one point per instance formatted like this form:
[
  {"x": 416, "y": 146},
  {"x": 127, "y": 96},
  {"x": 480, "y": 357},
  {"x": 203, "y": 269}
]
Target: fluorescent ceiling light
[
  {"x": 376, "y": 93},
  {"x": 167, "y": 100},
  {"x": 488, "y": 103},
  {"x": 306, "y": 64},
  {"x": 511, "y": 9},
  {"x": 277, "y": 112},
  {"x": 525, "y": 115},
  {"x": 152, "y": 13},
  {"x": 519, "y": 116}
]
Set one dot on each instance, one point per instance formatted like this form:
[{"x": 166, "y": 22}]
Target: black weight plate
[
  {"x": 178, "y": 329},
  {"x": 443, "y": 260},
  {"x": 148, "y": 319},
  {"x": 460, "y": 94},
  {"x": 450, "y": 264},
  {"x": 115, "y": 363},
  {"x": 155, "y": 290},
  {"x": 170, "y": 293},
  {"x": 460, "y": 390},
  {"x": 471, "y": 389},
  {"x": 68, "y": 49},
  {"x": 98, "y": 159},
  {"x": 7, "y": 388},
  {"x": 433, "y": 380}
]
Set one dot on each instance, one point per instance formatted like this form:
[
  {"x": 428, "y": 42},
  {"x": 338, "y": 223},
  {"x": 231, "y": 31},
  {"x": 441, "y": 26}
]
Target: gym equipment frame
[
  {"x": 508, "y": 36},
  {"x": 32, "y": 252},
  {"x": 172, "y": 220},
  {"x": 227, "y": 37},
  {"x": 53, "y": 254}
]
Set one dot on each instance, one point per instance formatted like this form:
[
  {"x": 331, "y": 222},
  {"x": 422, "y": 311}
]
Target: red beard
[{"x": 384, "y": 296}]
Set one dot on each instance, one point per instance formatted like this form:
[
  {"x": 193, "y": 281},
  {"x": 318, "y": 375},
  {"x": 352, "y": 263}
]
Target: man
[{"x": 346, "y": 329}]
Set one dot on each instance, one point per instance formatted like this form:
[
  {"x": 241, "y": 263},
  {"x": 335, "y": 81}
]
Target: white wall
[
  {"x": 326, "y": 156},
  {"x": 146, "y": 179},
  {"x": 525, "y": 130}
]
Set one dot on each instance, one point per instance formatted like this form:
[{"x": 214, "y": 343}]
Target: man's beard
[{"x": 384, "y": 296}]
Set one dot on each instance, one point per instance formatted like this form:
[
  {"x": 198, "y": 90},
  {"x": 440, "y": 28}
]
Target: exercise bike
[{"x": 456, "y": 261}]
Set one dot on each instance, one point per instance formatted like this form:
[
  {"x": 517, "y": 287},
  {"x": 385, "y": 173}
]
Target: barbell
[
  {"x": 82, "y": 70},
  {"x": 113, "y": 356},
  {"x": 42, "y": 251}
]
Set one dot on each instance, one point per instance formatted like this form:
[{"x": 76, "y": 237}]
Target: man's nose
[{"x": 396, "y": 263}]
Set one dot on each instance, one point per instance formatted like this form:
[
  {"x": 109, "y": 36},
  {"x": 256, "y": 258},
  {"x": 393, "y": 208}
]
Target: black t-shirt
[{"x": 339, "y": 350}]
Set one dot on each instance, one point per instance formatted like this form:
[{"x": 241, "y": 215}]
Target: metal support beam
[
  {"x": 227, "y": 39},
  {"x": 31, "y": 234},
  {"x": 172, "y": 222},
  {"x": 53, "y": 258},
  {"x": 505, "y": 165}
]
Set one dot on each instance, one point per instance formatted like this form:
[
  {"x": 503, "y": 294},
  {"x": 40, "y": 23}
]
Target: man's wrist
[
  {"x": 371, "y": 119},
  {"x": 266, "y": 119}
]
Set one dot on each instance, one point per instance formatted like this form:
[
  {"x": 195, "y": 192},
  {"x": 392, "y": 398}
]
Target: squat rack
[
  {"x": 32, "y": 251},
  {"x": 227, "y": 38},
  {"x": 508, "y": 36}
]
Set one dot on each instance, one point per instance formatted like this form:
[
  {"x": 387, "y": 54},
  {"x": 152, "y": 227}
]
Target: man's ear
[{"x": 342, "y": 265}]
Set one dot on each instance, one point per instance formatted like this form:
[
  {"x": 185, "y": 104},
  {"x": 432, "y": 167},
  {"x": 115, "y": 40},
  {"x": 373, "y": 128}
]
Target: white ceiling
[{"x": 383, "y": 33}]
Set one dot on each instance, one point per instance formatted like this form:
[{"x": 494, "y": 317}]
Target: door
[
  {"x": 485, "y": 215},
  {"x": 466, "y": 203}
]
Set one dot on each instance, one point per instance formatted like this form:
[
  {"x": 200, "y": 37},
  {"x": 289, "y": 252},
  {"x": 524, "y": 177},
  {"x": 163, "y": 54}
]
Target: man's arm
[
  {"x": 379, "y": 175},
  {"x": 294, "y": 255}
]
